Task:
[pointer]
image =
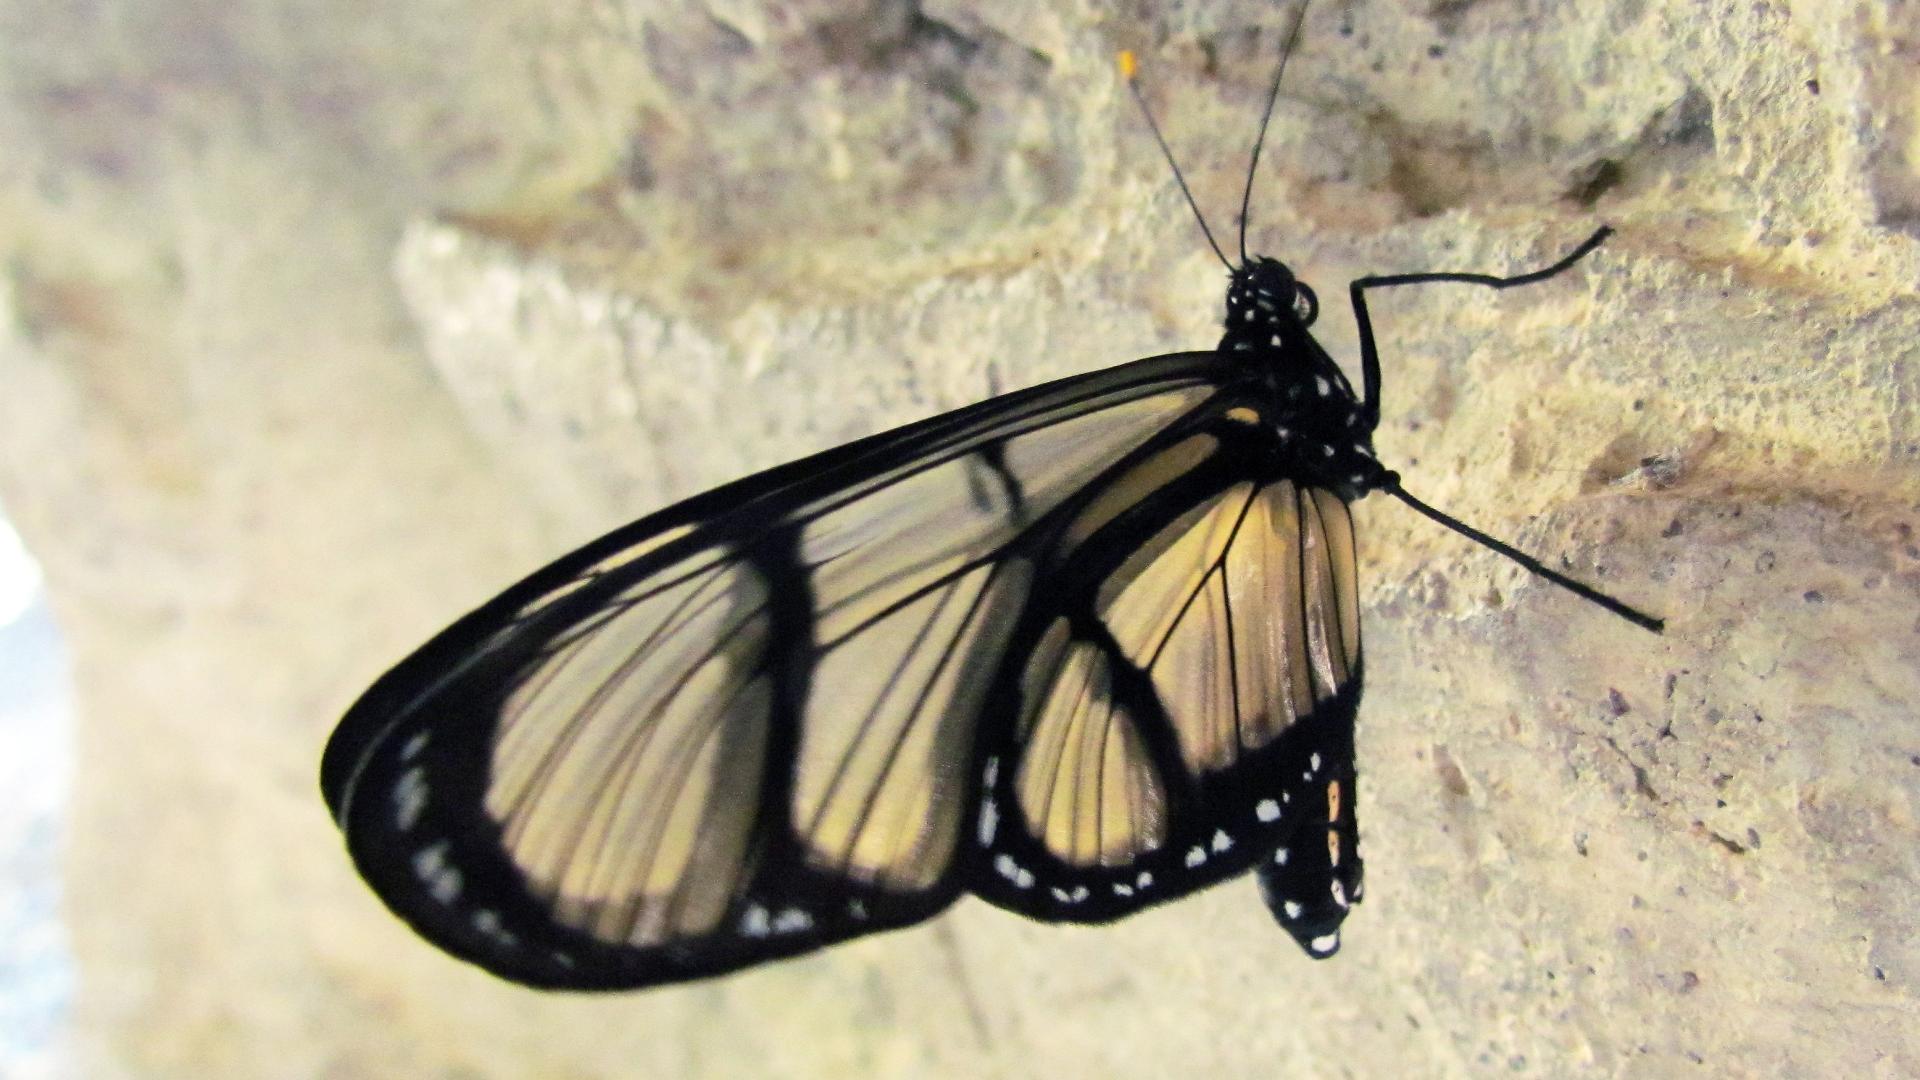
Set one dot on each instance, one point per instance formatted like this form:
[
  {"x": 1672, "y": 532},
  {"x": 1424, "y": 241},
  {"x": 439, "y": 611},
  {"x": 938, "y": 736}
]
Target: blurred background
[
  {"x": 321, "y": 323},
  {"x": 36, "y": 759}
]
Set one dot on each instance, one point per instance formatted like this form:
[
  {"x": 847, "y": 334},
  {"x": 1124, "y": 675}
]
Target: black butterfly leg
[
  {"x": 1389, "y": 481},
  {"x": 1370, "y": 354}
]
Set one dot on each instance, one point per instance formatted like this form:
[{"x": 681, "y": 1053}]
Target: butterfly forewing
[{"x": 751, "y": 724}]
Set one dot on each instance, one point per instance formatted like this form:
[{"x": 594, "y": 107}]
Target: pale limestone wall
[{"x": 324, "y": 321}]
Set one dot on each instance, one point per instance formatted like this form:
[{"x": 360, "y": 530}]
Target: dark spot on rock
[
  {"x": 636, "y": 169},
  {"x": 1672, "y": 530},
  {"x": 1813, "y": 596},
  {"x": 1617, "y": 703},
  {"x": 1813, "y": 87},
  {"x": 1734, "y": 846},
  {"x": 1662, "y": 470},
  {"x": 1452, "y": 779},
  {"x": 1595, "y": 180},
  {"x": 1689, "y": 122}
]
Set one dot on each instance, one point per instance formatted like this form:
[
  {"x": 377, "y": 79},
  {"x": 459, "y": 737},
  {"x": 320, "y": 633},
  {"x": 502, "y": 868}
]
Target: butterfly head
[{"x": 1264, "y": 299}]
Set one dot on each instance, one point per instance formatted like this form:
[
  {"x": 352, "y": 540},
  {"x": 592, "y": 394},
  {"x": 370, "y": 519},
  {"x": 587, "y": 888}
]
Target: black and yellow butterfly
[{"x": 1076, "y": 650}]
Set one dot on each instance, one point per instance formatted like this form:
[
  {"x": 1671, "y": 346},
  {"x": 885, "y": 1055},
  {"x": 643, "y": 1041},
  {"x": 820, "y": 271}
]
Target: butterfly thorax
[{"x": 1323, "y": 430}]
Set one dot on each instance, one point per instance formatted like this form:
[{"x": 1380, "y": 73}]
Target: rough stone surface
[{"x": 323, "y": 322}]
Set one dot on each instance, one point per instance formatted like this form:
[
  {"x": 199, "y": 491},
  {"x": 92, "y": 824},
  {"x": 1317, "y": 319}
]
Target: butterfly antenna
[
  {"x": 1529, "y": 563},
  {"x": 1266, "y": 116},
  {"x": 1129, "y": 67}
]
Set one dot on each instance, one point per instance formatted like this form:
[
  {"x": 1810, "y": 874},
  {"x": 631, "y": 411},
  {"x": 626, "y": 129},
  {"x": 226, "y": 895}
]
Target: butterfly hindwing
[
  {"x": 1181, "y": 685},
  {"x": 737, "y": 729}
]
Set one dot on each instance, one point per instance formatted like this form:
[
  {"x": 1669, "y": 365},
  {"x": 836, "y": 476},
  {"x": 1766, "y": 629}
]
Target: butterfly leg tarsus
[{"x": 1370, "y": 353}]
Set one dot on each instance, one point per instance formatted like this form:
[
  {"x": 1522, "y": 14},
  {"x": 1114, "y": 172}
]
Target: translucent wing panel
[
  {"x": 879, "y": 792},
  {"x": 1332, "y": 593},
  {"x": 1244, "y": 613},
  {"x": 1085, "y": 785},
  {"x": 872, "y": 547},
  {"x": 1146, "y": 480},
  {"x": 1171, "y": 611},
  {"x": 626, "y": 765}
]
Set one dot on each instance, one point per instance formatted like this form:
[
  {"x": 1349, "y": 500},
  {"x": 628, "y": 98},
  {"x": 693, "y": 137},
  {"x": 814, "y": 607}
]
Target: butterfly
[{"x": 1077, "y": 650}]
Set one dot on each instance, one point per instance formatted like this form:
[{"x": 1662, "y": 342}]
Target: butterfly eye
[{"x": 1306, "y": 306}]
